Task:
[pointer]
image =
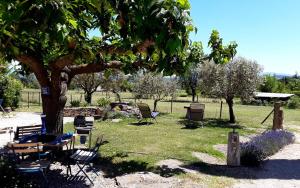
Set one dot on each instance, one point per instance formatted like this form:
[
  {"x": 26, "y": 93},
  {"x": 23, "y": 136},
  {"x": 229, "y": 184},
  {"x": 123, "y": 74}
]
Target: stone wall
[{"x": 88, "y": 111}]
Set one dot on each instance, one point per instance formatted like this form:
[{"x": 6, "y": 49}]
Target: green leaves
[
  {"x": 73, "y": 23},
  {"x": 220, "y": 54}
]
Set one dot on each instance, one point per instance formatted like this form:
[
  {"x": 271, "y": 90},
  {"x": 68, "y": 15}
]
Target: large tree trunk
[
  {"x": 88, "y": 97},
  {"x": 231, "y": 113},
  {"x": 54, "y": 102}
]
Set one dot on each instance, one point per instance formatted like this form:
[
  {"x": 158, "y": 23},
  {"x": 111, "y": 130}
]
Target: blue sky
[{"x": 267, "y": 31}]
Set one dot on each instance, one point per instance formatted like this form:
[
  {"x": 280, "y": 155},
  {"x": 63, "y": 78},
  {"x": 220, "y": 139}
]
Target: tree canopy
[{"x": 51, "y": 39}]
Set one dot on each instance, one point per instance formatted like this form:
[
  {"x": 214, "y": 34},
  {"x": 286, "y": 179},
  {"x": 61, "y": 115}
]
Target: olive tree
[
  {"x": 238, "y": 78},
  {"x": 89, "y": 83},
  {"x": 155, "y": 86},
  {"x": 51, "y": 39},
  {"x": 116, "y": 81}
]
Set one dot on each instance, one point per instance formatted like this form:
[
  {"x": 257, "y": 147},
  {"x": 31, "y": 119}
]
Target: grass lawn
[{"x": 131, "y": 148}]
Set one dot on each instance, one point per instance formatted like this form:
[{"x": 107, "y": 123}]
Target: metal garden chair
[{"x": 84, "y": 158}]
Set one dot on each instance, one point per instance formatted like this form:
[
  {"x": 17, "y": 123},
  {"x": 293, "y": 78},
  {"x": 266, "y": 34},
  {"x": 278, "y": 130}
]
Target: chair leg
[
  {"x": 93, "y": 169},
  {"x": 81, "y": 169}
]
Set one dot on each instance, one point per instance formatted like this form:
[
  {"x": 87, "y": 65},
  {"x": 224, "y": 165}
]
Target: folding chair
[
  {"x": 29, "y": 166},
  {"x": 84, "y": 158},
  {"x": 146, "y": 112}
]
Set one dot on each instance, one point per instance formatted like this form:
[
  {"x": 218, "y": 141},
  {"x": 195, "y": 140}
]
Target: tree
[
  {"x": 220, "y": 54},
  {"x": 155, "y": 86},
  {"x": 51, "y": 38},
  {"x": 116, "y": 81},
  {"x": 193, "y": 57},
  {"x": 89, "y": 83},
  {"x": 238, "y": 78}
]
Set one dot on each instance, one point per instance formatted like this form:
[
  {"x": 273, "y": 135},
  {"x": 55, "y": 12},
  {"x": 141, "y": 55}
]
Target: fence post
[
  {"x": 28, "y": 99},
  {"x": 172, "y": 105},
  {"x": 197, "y": 98},
  {"x": 71, "y": 98},
  {"x": 221, "y": 107}
]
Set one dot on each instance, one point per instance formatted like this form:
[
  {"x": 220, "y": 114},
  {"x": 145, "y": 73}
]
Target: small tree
[
  {"x": 239, "y": 78},
  {"x": 89, "y": 83},
  {"x": 155, "y": 86},
  {"x": 190, "y": 79},
  {"x": 116, "y": 81}
]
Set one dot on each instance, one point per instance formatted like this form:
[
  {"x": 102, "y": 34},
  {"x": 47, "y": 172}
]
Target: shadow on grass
[
  {"x": 213, "y": 123},
  {"x": 112, "y": 169},
  {"x": 277, "y": 169},
  {"x": 141, "y": 123}
]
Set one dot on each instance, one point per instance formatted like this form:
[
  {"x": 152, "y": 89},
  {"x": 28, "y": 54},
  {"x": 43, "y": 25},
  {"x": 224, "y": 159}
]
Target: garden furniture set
[{"x": 33, "y": 152}]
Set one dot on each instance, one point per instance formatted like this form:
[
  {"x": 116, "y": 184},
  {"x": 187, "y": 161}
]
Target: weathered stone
[{"x": 72, "y": 112}]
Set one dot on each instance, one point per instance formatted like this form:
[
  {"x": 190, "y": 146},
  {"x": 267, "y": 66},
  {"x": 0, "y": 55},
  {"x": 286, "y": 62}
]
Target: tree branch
[
  {"x": 94, "y": 67},
  {"x": 63, "y": 61},
  {"x": 139, "y": 48},
  {"x": 36, "y": 67}
]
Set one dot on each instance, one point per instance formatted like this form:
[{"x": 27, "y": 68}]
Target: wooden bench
[{"x": 27, "y": 130}]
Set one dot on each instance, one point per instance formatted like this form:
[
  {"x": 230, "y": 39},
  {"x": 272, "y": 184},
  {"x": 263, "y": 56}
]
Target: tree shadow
[
  {"x": 167, "y": 172},
  {"x": 220, "y": 123},
  {"x": 276, "y": 169},
  {"x": 141, "y": 123},
  {"x": 190, "y": 124}
]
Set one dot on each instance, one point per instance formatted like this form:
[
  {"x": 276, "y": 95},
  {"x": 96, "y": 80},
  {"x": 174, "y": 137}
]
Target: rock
[{"x": 116, "y": 120}]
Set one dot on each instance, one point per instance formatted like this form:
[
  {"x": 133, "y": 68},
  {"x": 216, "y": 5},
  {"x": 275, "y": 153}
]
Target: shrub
[
  {"x": 116, "y": 115},
  {"x": 294, "y": 103},
  {"x": 10, "y": 91},
  {"x": 103, "y": 102},
  {"x": 264, "y": 145},
  {"x": 75, "y": 103},
  {"x": 183, "y": 95}
]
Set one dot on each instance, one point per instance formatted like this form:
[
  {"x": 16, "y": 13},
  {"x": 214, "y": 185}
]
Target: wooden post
[
  {"x": 278, "y": 116},
  {"x": 221, "y": 108},
  {"x": 172, "y": 105},
  {"x": 233, "y": 149}
]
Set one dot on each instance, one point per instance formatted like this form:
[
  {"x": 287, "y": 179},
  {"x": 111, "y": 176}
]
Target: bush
[
  {"x": 10, "y": 91},
  {"x": 264, "y": 145},
  {"x": 183, "y": 95},
  {"x": 116, "y": 115},
  {"x": 75, "y": 103},
  {"x": 103, "y": 102},
  {"x": 294, "y": 103}
]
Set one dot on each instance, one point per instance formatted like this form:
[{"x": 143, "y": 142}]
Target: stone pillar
[
  {"x": 233, "y": 149},
  {"x": 278, "y": 116}
]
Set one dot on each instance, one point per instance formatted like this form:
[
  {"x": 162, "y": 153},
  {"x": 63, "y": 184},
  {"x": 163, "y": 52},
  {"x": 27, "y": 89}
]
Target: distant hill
[{"x": 278, "y": 75}]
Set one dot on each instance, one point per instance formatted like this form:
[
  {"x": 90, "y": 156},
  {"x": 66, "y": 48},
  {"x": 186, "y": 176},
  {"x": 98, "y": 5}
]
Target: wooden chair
[
  {"x": 146, "y": 113},
  {"x": 27, "y": 130},
  {"x": 27, "y": 166},
  {"x": 84, "y": 158},
  {"x": 195, "y": 112}
]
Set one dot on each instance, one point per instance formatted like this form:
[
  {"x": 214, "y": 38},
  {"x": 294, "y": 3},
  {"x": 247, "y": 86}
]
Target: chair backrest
[
  {"x": 25, "y": 148},
  {"x": 27, "y": 130},
  {"x": 97, "y": 144},
  {"x": 145, "y": 110},
  {"x": 197, "y": 106},
  {"x": 79, "y": 121},
  {"x": 196, "y": 112}
]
